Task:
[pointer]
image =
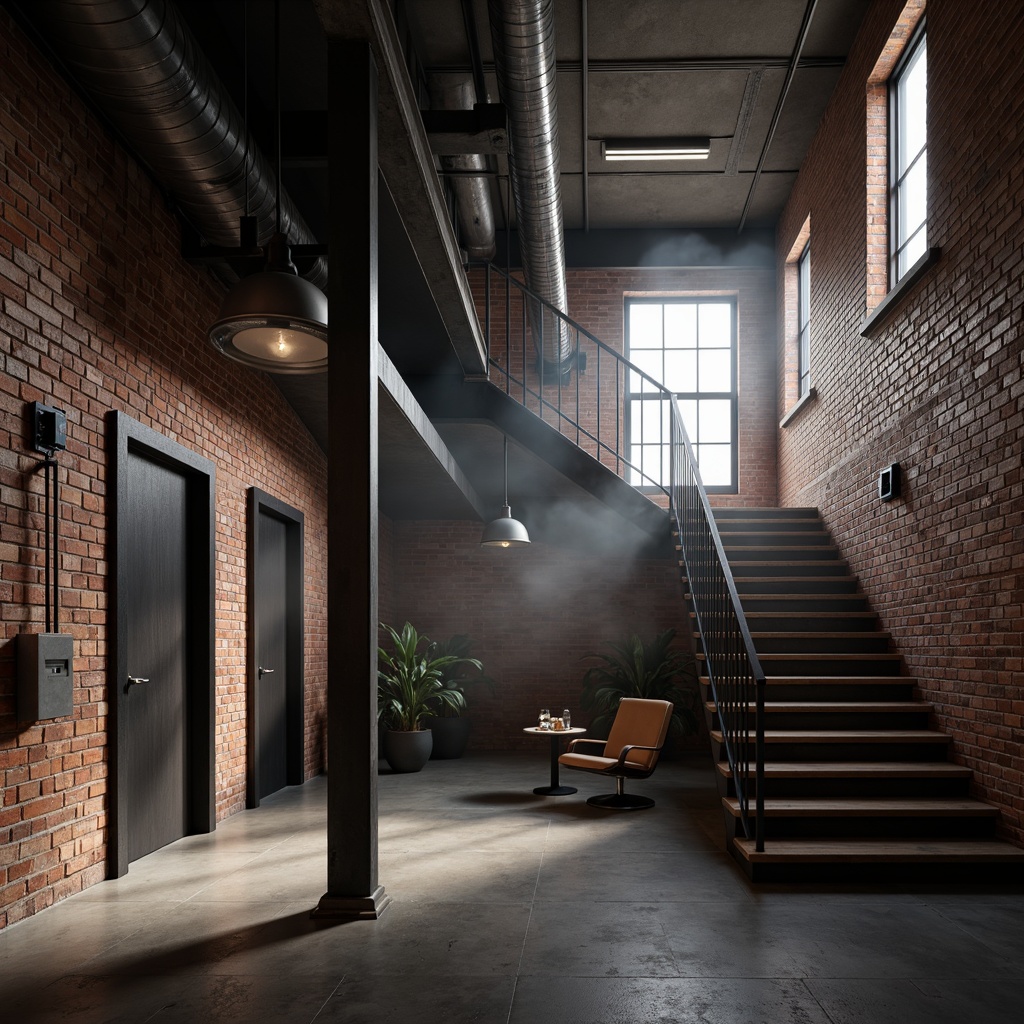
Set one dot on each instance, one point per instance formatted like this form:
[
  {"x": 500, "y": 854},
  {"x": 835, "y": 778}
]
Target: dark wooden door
[
  {"x": 272, "y": 652},
  {"x": 154, "y": 545}
]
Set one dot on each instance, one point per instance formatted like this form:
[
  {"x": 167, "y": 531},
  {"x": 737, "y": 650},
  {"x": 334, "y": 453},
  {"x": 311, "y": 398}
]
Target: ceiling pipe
[
  {"x": 472, "y": 195},
  {"x": 523, "y": 37},
  {"x": 141, "y": 65}
]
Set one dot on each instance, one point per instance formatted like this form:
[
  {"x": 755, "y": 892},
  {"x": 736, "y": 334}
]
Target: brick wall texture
[
  {"x": 99, "y": 312},
  {"x": 937, "y": 387},
  {"x": 534, "y": 614}
]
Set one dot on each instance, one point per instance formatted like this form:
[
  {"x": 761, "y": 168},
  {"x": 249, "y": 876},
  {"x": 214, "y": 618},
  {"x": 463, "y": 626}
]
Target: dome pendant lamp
[
  {"x": 274, "y": 320},
  {"x": 504, "y": 532}
]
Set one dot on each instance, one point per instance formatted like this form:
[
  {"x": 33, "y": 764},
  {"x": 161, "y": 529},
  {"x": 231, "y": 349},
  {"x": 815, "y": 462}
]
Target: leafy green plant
[
  {"x": 649, "y": 669},
  {"x": 409, "y": 684},
  {"x": 462, "y": 674}
]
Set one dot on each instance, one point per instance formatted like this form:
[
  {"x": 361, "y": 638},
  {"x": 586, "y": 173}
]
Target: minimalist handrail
[{"x": 589, "y": 397}]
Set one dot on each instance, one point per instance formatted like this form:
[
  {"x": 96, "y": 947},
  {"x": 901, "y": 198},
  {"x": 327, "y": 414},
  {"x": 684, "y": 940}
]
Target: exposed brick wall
[
  {"x": 938, "y": 387},
  {"x": 534, "y": 613},
  {"x": 99, "y": 312},
  {"x": 596, "y": 303}
]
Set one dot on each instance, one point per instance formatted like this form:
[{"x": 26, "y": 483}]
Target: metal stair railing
[
  {"x": 611, "y": 409},
  {"x": 735, "y": 676}
]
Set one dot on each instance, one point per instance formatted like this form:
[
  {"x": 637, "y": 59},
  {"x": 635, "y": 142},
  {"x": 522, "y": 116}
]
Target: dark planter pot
[
  {"x": 408, "y": 751},
  {"x": 451, "y": 736}
]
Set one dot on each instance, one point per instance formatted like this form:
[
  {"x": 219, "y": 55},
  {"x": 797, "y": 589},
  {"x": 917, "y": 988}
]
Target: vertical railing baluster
[
  {"x": 579, "y": 413},
  {"x": 540, "y": 360}
]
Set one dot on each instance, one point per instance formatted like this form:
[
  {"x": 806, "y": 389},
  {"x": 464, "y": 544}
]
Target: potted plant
[
  {"x": 650, "y": 669},
  {"x": 450, "y": 725},
  {"x": 409, "y": 689}
]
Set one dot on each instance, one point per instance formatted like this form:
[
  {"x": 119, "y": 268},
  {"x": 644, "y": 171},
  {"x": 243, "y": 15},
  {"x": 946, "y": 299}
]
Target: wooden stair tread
[
  {"x": 857, "y": 634},
  {"x": 857, "y": 769},
  {"x": 816, "y": 614},
  {"x": 880, "y": 850},
  {"x": 842, "y": 707},
  {"x": 842, "y": 680},
  {"x": 807, "y": 563},
  {"x": 817, "y": 656},
  {"x": 834, "y": 680},
  {"x": 845, "y": 736},
  {"x": 741, "y": 580},
  {"x": 858, "y": 807},
  {"x": 767, "y": 510}
]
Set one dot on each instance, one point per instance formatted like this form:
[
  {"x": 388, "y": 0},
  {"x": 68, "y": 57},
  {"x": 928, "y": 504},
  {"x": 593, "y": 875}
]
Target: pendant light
[
  {"x": 504, "y": 532},
  {"x": 274, "y": 320}
]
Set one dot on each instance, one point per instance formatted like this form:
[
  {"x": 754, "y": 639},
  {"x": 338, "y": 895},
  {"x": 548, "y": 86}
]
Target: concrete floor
[{"x": 509, "y": 909}]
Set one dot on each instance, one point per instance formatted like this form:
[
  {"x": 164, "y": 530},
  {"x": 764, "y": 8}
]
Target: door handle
[
  {"x": 265, "y": 671},
  {"x": 136, "y": 680}
]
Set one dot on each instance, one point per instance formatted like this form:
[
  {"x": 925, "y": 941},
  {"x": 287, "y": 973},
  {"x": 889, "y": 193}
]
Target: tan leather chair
[{"x": 630, "y": 752}]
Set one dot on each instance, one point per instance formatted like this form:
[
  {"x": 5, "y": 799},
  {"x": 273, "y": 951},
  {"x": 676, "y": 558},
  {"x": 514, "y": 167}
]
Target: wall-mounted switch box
[
  {"x": 889, "y": 482},
  {"x": 45, "y": 676},
  {"x": 49, "y": 429}
]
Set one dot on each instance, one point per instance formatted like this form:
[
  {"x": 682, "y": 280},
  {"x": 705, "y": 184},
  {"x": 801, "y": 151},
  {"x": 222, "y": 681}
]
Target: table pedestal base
[{"x": 554, "y": 790}]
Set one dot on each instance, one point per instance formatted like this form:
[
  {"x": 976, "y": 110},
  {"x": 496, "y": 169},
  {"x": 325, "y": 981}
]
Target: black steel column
[{"x": 353, "y": 889}]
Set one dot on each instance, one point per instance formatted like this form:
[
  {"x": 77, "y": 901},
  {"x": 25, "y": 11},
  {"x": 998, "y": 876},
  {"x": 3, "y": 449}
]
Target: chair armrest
[
  {"x": 581, "y": 740},
  {"x": 633, "y": 746}
]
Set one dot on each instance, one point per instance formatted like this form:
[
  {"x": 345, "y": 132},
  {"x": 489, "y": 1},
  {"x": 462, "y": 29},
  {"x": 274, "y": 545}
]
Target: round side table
[{"x": 554, "y": 735}]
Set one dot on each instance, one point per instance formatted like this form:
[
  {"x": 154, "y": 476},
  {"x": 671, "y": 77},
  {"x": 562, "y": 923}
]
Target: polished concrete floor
[{"x": 509, "y": 908}]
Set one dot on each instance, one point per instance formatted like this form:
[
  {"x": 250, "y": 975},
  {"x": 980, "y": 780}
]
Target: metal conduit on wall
[
  {"x": 142, "y": 66},
  {"x": 523, "y": 36}
]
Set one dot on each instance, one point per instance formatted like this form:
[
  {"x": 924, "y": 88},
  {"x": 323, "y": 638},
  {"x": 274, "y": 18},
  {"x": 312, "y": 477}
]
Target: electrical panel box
[
  {"x": 45, "y": 676},
  {"x": 49, "y": 429}
]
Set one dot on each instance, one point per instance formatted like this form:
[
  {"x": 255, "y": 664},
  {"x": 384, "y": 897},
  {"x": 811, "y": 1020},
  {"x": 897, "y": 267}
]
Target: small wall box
[
  {"x": 889, "y": 482},
  {"x": 45, "y": 676}
]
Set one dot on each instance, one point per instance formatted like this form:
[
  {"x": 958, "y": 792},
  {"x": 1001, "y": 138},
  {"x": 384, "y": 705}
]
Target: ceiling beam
[
  {"x": 662, "y": 65},
  {"x": 407, "y": 165},
  {"x": 794, "y": 64}
]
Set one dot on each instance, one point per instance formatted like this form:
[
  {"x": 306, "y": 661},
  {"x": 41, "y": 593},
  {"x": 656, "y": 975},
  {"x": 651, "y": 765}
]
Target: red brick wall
[
  {"x": 99, "y": 312},
  {"x": 938, "y": 387},
  {"x": 596, "y": 303},
  {"x": 534, "y": 613}
]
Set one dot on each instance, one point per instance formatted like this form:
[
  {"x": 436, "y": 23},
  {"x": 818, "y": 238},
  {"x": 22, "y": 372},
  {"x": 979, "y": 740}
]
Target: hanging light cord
[
  {"x": 277, "y": 106},
  {"x": 505, "y": 439}
]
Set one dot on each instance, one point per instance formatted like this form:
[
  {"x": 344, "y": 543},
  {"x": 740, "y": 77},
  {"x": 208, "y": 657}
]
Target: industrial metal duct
[
  {"x": 523, "y": 36},
  {"x": 142, "y": 66},
  {"x": 472, "y": 195}
]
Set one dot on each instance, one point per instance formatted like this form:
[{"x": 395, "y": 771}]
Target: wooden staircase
[{"x": 857, "y": 783}]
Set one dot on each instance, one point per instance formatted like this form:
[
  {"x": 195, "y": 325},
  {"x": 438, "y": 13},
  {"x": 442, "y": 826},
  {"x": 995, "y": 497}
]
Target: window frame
[
  {"x": 803, "y": 321},
  {"x": 732, "y": 395},
  {"x": 916, "y": 48}
]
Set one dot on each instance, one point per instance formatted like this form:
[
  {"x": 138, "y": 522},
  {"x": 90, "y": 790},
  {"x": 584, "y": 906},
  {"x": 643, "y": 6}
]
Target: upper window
[
  {"x": 689, "y": 346},
  {"x": 803, "y": 318},
  {"x": 908, "y": 158}
]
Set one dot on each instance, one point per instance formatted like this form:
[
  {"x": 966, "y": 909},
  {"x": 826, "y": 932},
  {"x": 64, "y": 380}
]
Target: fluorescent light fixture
[{"x": 655, "y": 149}]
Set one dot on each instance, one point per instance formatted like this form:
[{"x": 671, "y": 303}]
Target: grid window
[
  {"x": 804, "y": 320},
  {"x": 908, "y": 159},
  {"x": 689, "y": 346}
]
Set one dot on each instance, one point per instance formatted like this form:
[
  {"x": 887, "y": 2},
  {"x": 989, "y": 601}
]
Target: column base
[{"x": 367, "y": 908}]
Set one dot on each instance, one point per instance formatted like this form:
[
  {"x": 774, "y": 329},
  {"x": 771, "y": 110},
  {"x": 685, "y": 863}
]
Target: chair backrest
[{"x": 644, "y": 722}]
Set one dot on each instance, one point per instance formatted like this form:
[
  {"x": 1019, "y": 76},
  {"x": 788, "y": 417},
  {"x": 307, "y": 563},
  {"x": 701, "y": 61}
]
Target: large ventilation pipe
[
  {"x": 142, "y": 66},
  {"x": 472, "y": 194},
  {"x": 523, "y": 36}
]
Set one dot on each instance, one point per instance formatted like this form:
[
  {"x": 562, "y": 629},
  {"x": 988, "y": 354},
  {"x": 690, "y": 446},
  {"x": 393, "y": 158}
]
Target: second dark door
[{"x": 272, "y": 652}]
